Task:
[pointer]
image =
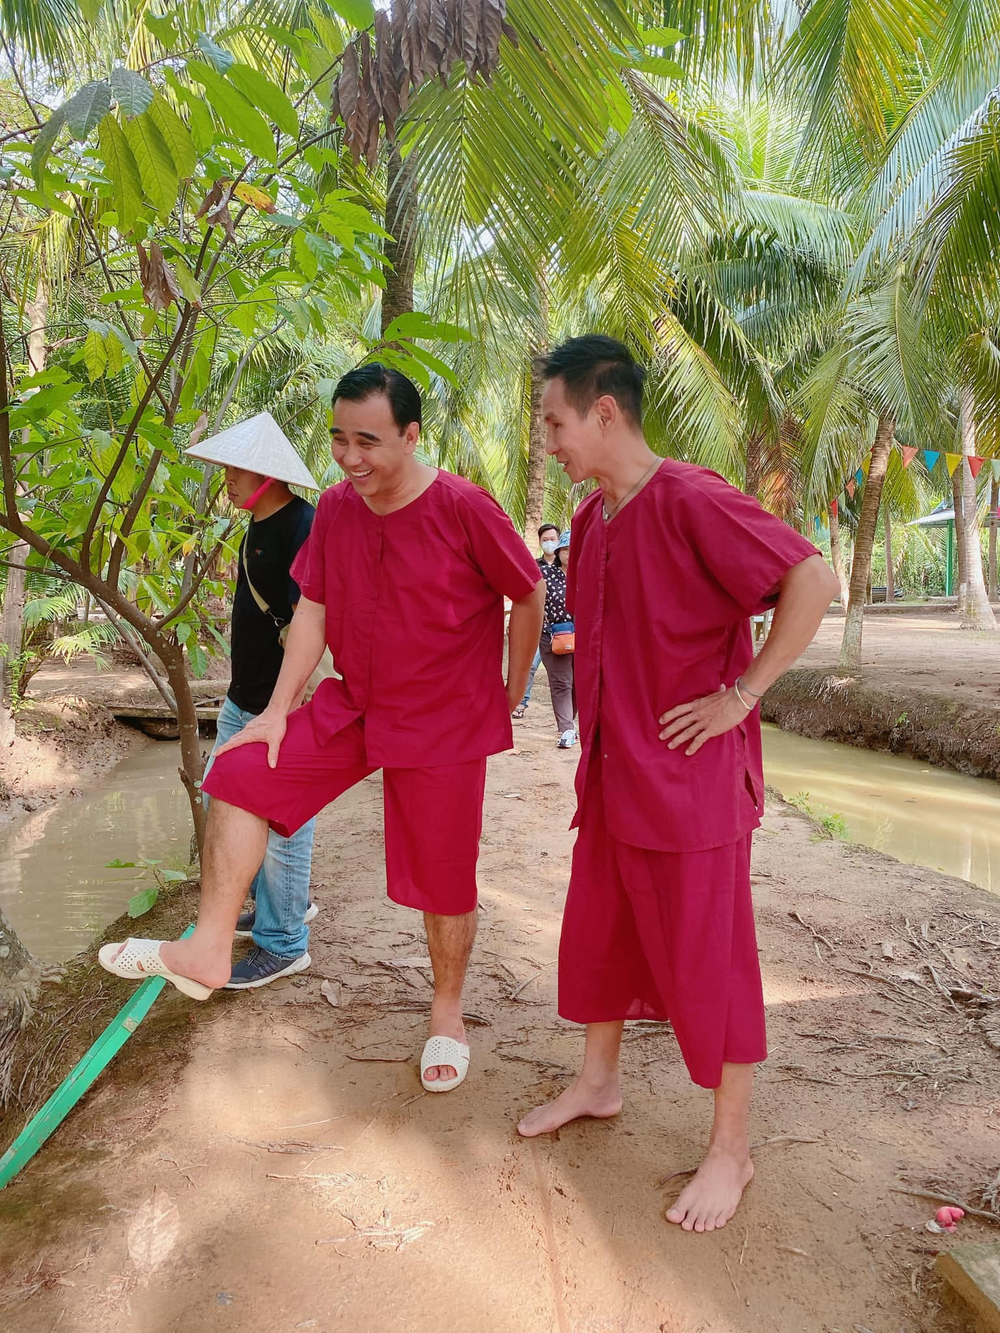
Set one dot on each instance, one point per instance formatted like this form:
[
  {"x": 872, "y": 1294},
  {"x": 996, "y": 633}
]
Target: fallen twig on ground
[
  {"x": 813, "y": 931},
  {"x": 517, "y": 991}
]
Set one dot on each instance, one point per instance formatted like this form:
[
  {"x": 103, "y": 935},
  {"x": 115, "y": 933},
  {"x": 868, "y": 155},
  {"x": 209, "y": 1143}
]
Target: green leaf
[
  {"x": 417, "y": 324},
  {"x": 662, "y": 37},
  {"x": 44, "y": 140},
  {"x": 267, "y": 96},
  {"x": 87, "y": 107},
  {"x": 184, "y": 631},
  {"x": 244, "y": 318},
  {"x": 176, "y": 136},
  {"x": 198, "y": 659},
  {"x": 358, "y": 13},
  {"x": 660, "y": 65},
  {"x": 141, "y": 902},
  {"x": 156, "y": 166},
  {"x": 173, "y": 876},
  {"x": 245, "y": 124},
  {"x": 115, "y": 355},
  {"x": 162, "y": 27},
  {"x": 120, "y": 165},
  {"x": 44, "y": 202},
  {"x": 221, "y": 60},
  {"x": 119, "y": 865},
  {"x": 304, "y": 257},
  {"x": 132, "y": 92},
  {"x": 200, "y": 121},
  {"x": 95, "y": 355},
  {"x": 186, "y": 281}
]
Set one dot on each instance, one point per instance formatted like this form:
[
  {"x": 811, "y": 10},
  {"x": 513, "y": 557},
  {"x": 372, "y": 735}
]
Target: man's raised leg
[
  {"x": 710, "y": 1199},
  {"x": 449, "y": 942},
  {"x": 596, "y": 1092},
  {"x": 234, "y": 848}
]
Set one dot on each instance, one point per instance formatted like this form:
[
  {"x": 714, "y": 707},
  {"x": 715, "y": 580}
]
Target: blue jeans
[
  {"x": 531, "y": 677},
  {"x": 281, "y": 886}
]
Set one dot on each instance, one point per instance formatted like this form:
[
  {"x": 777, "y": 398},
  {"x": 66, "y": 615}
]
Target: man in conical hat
[
  {"x": 260, "y": 462},
  {"x": 404, "y": 578}
]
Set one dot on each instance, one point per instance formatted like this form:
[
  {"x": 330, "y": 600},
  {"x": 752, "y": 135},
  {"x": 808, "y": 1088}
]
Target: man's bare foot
[
  {"x": 188, "y": 959},
  {"x": 600, "y": 1101},
  {"x": 711, "y": 1198},
  {"x": 444, "y": 1023}
]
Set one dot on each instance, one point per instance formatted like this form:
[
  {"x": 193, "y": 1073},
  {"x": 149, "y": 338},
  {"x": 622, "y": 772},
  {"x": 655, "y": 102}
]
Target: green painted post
[
  {"x": 949, "y": 569},
  {"x": 80, "y": 1079}
]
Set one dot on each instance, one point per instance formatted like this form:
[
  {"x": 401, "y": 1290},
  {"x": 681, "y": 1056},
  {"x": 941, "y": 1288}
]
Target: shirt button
[{"x": 605, "y": 756}]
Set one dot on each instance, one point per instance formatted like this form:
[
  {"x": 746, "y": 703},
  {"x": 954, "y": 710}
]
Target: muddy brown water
[
  {"x": 918, "y": 814},
  {"x": 55, "y": 886},
  {"x": 58, "y": 892}
]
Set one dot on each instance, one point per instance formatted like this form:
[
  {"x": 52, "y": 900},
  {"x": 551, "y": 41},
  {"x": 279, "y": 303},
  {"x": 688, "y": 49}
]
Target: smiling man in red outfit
[
  {"x": 667, "y": 564},
  {"x": 404, "y": 576}
]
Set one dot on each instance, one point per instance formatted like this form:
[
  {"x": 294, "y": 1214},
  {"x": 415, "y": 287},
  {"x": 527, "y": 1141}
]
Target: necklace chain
[{"x": 609, "y": 514}]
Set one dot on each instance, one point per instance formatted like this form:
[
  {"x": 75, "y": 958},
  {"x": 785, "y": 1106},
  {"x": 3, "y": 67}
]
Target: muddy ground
[
  {"x": 302, "y": 1180},
  {"x": 926, "y": 688},
  {"x": 60, "y": 742}
]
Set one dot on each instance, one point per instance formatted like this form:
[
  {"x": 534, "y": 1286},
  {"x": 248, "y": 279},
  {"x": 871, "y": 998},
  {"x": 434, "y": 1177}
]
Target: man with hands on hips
[{"x": 668, "y": 562}]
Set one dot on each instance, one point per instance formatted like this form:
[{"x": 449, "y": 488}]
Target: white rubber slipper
[
  {"x": 139, "y": 959},
  {"x": 444, "y": 1051}
]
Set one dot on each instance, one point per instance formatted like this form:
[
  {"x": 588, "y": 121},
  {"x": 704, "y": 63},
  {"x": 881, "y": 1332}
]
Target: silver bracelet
[
  {"x": 748, "y": 707},
  {"x": 753, "y": 693}
]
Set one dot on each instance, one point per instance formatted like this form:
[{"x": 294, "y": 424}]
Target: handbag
[
  {"x": 324, "y": 668},
  {"x": 563, "y": 637}
]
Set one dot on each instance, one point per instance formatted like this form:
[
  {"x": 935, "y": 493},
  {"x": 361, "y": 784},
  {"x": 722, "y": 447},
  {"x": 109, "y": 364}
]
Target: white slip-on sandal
[
  {"x": 139, "y": 959},
  {"x": 444, "y": 1051}
]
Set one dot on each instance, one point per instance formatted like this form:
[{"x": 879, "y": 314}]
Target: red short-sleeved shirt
[
  {"x": 661, "y": 597},
  {"x": 414, "y": 619}
]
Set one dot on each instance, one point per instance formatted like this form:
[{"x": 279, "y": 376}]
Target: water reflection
[
  {"x": 927, "y": 816},
  {"x": 55, "y": 887}
]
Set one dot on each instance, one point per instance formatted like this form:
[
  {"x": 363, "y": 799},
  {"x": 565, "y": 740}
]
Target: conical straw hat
[{"x": 259, "y": 445}]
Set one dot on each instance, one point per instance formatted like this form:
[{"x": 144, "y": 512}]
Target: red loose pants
[
  {"x": 663, "y": 935},
  {"x": 433, "y": 815}
]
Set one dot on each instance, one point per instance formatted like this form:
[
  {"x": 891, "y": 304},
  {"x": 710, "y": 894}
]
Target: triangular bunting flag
[
  {"x": 952, "y": 461},
  {"x": 859, "y": 477},
  {"x": 909, "y": 454},
  {"x": 996, "y": 469},
  {"x": 816, "y": 523},
  {"x": 866, "y": 465},
  {"x": 931, "y": 457},
  {"x": 975, "y": 464},
  {"x": 852, "y": 486},
  {"x": 834, "y": 508}
]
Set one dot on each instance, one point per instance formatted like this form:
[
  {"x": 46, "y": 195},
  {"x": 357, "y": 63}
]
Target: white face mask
[{"x": 549, "y": 547}]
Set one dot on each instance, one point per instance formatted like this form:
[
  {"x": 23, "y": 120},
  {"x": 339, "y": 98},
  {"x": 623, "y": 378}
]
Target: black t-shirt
[{"x": 267, "y": 552}]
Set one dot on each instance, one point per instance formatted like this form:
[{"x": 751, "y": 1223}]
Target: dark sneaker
[
  {"x": 259, "y": 967},
  {"x": 244, "y": 926}
]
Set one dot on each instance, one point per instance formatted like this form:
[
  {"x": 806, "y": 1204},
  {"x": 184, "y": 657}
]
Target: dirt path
[
  {"x": 921, "y": 648},
  {"x": 305, "y": 1182}
]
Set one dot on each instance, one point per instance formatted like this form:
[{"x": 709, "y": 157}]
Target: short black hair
[
  {"x": 403, "y": 394},
  {"x": 593, "y": 366},
  {"x": 547, "y": 527}
]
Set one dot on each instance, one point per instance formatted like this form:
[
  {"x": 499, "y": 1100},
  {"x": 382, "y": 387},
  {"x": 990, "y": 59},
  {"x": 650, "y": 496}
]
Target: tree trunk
[
  {"x": 850, "y": 650},
  {"x": 994, "y": 522},
  {"x": 977, "y": 613},
  {"x": 837, "y": 558},
  {"x": 12, "y": 621},
  {"x": 401, "y": 251},
  {"x": 534, "y": 501},
  {"x": 20, "y": 976},
  {"x": 962, "y": 577},
  {"x": 192, "y": 765},
  {"x": 890, "y": 588}
]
